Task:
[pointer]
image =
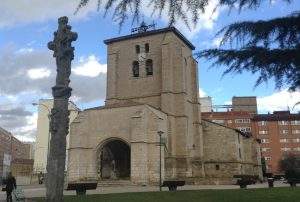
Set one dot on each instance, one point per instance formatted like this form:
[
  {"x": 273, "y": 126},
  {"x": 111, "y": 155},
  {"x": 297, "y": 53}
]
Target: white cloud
[
  {"x": 38, "y": 73},
  {"x": 229, "y": 102},
  {"x": 205, "y": 22},
  {"x": 16, "y": 12},
  {"x": 90, "y": 67},
  {"x": 273, "y": 2},
  {"x": 20, "y": 73},
  {"x": 202, "y": 93},
  {"x": 217, "y": 42},
  {"x": 27, "y": 132},
  {"x": 281, "y": 100},
  {"x": 20, "y": 12},
  {"x": 31, "y": 123},
  {"x": 15, "y": 118},
  {"x": 25, "y": 50}
]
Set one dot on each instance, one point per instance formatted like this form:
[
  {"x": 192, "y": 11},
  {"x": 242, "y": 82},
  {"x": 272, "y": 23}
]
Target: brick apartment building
[
  {"x": 279, "y": 134},
  {"x": 240, "y": 120},
  {"x": 238, "y": 115},
  {"x": 12, "y": 151}
]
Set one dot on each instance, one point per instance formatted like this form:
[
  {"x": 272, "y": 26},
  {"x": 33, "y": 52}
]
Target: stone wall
[
  {"x": 137, "y": 126},
  {"x": 227, "y": 152}
]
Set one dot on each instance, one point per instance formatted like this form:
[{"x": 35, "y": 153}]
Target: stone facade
[
  {"x": 138, "y": 105},
  {"x": 133, "y": 123},
  {"x": 228, "y": 152}
]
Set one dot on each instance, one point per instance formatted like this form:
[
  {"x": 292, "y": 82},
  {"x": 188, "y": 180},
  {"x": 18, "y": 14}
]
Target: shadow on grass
[{"x": 285, "y": 194}]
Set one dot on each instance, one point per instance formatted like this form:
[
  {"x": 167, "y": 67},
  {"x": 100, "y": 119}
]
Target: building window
[
  {"x": 265, "y": 141},
  {"x": 296, "y": 149},
  {"x": 263, "y": 132},
  {"x": 147, "y": 48},
  {"x": 135, "y": 69},
  {"x": 295, "y": 122},
  {"x": 149, "y": 67},
  {"x": 284, "y": 132},
  {"x": 219, "y": 121},
  {"x": 262, "y": 123},
  {"x": 267, "y": 158},
  {"x": 296, "y": 131},
  {"x": 283, "y": 123},
  {"x": 297, "y": 140},
  {"x": 217, "y": 167},
  {"x": 244, "y": 129},
  {"x": 265, "y": 149},
  {"x": 284, "y": 140},
  {"x": 137, "y": 49},
  {"x": 242, "y": 120},
  {"x": 285, "y": 149}
]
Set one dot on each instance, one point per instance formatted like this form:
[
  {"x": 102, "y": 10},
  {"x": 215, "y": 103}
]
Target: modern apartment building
[
  {"x": 206, "y": 104},
  {"x": 43, "y": 133},
  {"x": 279, "y": 134}
]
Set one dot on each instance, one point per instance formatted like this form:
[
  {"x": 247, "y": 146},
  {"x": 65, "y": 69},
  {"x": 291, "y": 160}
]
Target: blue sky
[{"x": 28, "y": 69}]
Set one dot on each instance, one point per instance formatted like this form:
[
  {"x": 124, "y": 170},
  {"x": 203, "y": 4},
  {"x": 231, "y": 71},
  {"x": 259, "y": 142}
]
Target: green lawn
[{"x": 238, "y": 195}]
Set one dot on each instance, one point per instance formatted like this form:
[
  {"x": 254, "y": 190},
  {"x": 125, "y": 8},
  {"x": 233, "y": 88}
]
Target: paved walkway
[{"x": 32, "y": 191}]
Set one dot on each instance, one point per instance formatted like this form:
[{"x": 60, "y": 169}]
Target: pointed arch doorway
[{"x": 114, "y": 160}]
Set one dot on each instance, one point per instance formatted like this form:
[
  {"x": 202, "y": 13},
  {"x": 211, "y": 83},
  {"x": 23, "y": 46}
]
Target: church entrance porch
[{"x": 114, "y": 160}]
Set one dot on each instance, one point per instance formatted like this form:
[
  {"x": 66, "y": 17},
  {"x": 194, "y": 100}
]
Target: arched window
[
  {"x": 135, "y": 69},
  {"x": 147, "y": 48},
  {"x": 137, "y": 49},
  {"x": 149, "y": 67}
]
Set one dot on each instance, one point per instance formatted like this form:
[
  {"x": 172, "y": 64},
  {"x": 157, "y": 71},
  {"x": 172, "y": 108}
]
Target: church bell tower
[{"x": 156, "y": 68}]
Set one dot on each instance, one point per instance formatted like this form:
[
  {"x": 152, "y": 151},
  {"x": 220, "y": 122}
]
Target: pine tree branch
[
  {"x": 283, "y": 32},
  {"x": 177, "y": 9},
  {"x": 281, "y": 64}
]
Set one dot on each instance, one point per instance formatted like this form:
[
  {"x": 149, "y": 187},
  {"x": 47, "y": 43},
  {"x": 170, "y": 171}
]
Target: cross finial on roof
[{"x": 142, "y": 28}]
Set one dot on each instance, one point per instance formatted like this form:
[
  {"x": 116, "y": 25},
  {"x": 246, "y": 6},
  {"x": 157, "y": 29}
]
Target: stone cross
[{"x": 59, "y": 123}]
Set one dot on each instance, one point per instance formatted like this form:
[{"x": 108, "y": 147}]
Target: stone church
[{"x": 152, "y": 113}]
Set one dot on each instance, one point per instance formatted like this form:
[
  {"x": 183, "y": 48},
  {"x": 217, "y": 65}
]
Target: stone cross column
[{"x": 59, "y": 123}]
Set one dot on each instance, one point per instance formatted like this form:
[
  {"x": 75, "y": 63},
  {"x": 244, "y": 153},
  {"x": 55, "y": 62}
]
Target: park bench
[
  {"x": 293, "y": 181},
  {"x": 173, "y": 184},
  {"x": 81, "y": 188},
  {"x": 244, "y": 180}
]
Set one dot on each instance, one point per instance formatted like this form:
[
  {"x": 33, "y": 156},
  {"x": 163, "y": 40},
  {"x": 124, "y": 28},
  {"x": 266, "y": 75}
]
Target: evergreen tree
[{"x": 268, "y": 47}]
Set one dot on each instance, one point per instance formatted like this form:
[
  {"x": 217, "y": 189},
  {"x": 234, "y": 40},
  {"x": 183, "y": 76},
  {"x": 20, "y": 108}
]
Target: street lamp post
[{"x": 160, "y": 144}]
